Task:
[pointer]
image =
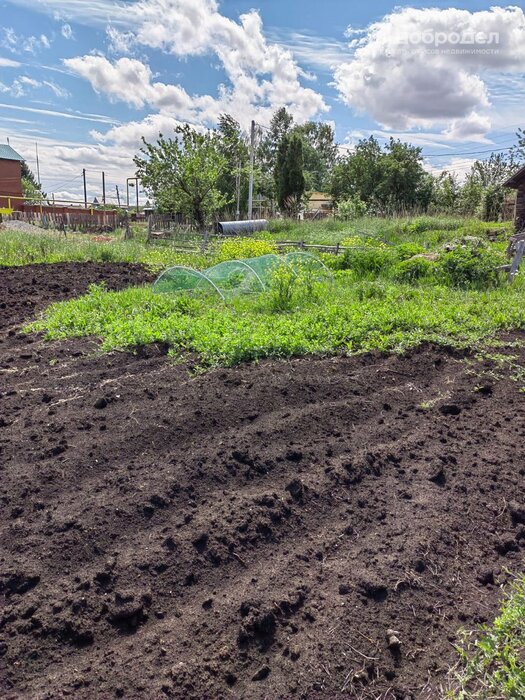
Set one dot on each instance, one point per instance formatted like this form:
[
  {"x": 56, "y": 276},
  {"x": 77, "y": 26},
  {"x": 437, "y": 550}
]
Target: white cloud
[
  {"x": 66, "y": 31},
  {"x": 129, "y": 80},
  {"x": 119, "y": 42},
  {"x": 16, "y": 43},
  {"x": 459, "y": 167},
  {"x": 65, "y": 115},
  {"x": 404, "y": 83},
  {"x": 56, "y": 89},
  {"x": 23, "y": 84},
  {"x": 263, "y": 76},
  {"x": 8, "y": 63}
]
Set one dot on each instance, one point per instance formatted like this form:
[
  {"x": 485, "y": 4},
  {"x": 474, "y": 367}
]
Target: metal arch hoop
[
  {"x": 198, "y": 273},
  {"x": 240, "y": 262}
]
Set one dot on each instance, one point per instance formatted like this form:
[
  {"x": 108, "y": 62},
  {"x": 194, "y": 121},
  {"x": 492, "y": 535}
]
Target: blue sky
[{"x": 87, "y": 78}]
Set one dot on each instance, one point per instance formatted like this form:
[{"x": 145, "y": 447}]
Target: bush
[
  {"x": 351, "y": 208},
  {"x": 412, "y": 270},
  {"x": 405, "y": 251},
  {"x": 469, "y": 267},
  {"x": 240, "y": 248},
  {"x": 368, "y": 261}
]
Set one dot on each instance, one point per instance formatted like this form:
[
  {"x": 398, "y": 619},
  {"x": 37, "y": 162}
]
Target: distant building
[
  {"x": 517, "y": 182},
  {"x": 10, "y": 178},
  {"x": 319, "y": 205}
]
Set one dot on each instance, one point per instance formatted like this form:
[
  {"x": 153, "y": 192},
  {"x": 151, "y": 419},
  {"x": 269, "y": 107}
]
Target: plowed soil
[{"x": 319, "y": 528}]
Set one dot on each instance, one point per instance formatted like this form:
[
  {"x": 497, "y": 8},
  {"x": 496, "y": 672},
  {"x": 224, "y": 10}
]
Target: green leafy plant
[
  {"x": 466, "y": 266},
  {"x": 412, "y": 270},
  {"x": 493, "y": 664},
  {"x": 239, "y": 248},
  {"x": 282, "y": 288}
]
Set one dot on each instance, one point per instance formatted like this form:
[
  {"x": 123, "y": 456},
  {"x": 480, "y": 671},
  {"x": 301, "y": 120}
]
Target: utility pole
[
  {"x": 103, "y": 187},
  {"x": 250, "y": 183},
  {"x": 37, "y": 163},
  {"x": 85, "y": 188},
  {"x": 137, "y": 192},
  {"x": 118, "y": 196},
  {"x": 238, "y": 191}
]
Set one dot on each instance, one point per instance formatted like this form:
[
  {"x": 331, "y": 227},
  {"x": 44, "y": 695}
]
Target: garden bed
[{"x": 251, "y": 532}]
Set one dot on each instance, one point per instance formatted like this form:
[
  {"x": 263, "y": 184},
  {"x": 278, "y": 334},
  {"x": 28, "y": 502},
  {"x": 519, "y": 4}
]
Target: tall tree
[
  {"x": 267, "y": 151},
  {"x": 319, "y": 153},
  {"x": 289, "y": 176},
  {"x": 183, "y": 174}
]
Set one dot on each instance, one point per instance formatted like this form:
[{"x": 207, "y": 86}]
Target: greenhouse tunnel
[{"x": 248, "y": 276}]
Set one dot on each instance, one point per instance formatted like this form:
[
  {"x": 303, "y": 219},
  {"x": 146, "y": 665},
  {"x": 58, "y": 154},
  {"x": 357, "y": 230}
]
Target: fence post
[{"x": 127, "y": 231}]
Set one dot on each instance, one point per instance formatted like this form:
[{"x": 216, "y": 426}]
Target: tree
[
  {"x": 446, "y": 192},
  {"x": 518, "y": 151},
  {"x": 404, "y": 184},
  {"x": 494, "y": 170},
  {"x": 31, "y": 189},
  {"x": 319, "y": 153},
  {"x": 358, "y": 173},
  {"x": 289, "y": 176},
  {"x": 183, "y": 174},
  {"x": 388, "y": 180},
  {"x": 267, "y": 152},
  {"x": 483, "y": 193}
]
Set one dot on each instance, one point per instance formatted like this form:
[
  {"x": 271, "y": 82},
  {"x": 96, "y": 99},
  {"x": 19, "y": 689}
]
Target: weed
[{"x": 492, "y": 666}]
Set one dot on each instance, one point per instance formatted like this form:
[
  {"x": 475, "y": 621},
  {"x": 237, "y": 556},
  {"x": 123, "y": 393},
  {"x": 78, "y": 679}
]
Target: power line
[{"x": 466, "y": 153}]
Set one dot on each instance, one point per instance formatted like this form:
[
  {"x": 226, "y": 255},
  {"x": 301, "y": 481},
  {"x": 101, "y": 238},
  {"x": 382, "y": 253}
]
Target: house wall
[
  {"x": 10, "y": 181},
  {"x": 519, "y": 212}
]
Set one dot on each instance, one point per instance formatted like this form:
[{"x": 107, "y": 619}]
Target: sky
[{"x": 86, "y": 79}]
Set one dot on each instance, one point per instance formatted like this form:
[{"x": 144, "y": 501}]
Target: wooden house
[{"x": 517, "y": 182}]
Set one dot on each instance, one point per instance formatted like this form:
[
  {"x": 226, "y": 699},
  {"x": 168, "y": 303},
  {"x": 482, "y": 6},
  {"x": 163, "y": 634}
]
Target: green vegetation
[
  {"x": 183, "y": 175},
  {"x": 295, "y": 317},
  {"x": 21, "y": 248},
  {"x": 493, "y": 666}
]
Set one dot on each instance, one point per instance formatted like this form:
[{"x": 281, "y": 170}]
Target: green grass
[
  {"x": 21, "y": 248},
  {"x": 346, "y": 316},
  {"x": 492, "y": 666},
  {"x": 429, "y": 231}
]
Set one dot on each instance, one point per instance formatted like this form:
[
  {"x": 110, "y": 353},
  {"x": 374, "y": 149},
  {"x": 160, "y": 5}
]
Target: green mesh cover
[{"x": 232, "y": 277}]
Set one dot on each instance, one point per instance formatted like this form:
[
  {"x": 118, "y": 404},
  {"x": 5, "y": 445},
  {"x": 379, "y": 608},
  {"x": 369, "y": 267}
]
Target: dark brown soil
[
  {"x": 256, "y": 532},
  {"x": 28, "y": 289}
]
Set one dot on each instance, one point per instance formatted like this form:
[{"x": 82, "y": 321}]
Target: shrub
[
  {"x": 239, "y": 248},
  {"x": 412, "y": 270},
  {"x": 351, "y": 208},
  {"x": 282, "y": 288},
  {"x": 368, "y": 261},
  {"x": 469, "y": 267},
  {"x": 404, "y": 251}
]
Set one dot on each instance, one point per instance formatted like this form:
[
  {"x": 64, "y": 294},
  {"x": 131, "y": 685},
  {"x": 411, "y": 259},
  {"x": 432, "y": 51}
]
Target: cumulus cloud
[
  {"x": 262, "y": 76},
  {"x": 427, "y": 67},
  {"x": 129, "y": 80}
]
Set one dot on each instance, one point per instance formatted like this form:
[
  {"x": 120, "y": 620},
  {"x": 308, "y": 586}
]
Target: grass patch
[
  {"x": 21, "y": 248},
  {"x": 492, "y": 667}
]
